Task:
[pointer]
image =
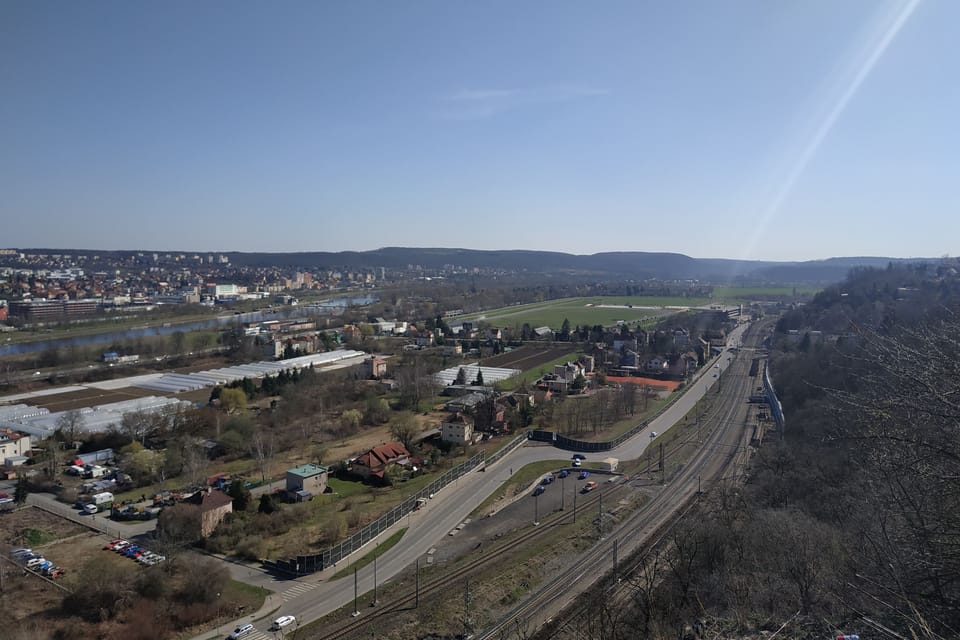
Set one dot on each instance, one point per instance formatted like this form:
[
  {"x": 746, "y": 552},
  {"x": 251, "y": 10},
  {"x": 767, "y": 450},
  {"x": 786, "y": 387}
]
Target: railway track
[
  {"x": 717, "y": 426},
  {"x": 459, "y": 574},
  {"x": 723, "y": 445}
]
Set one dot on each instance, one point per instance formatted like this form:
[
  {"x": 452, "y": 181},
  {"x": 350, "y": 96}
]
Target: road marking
[{"x": 298, "y": 590}]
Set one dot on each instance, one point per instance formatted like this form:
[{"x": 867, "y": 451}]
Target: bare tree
[
  {"x": 70, "y": 424},
  {"x": 262, "y": 450},
  {"x": 404, "y": 428}
]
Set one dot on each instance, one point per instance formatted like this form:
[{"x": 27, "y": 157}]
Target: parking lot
[{"x": 556, "y": 496}]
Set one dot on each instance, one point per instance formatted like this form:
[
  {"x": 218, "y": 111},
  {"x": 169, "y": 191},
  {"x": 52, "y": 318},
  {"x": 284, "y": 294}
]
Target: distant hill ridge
[{"x": 629, "y": 264}]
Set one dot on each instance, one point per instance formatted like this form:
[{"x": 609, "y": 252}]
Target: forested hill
[
  {"x": 633, "y": 264},
  {"x": 851, "y": 524}
]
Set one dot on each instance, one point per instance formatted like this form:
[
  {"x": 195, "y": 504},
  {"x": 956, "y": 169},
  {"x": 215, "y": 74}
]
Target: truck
[
  {"x": 94, "y": 471},
  {"x": 590, "y": 486},
  {"x": 102, "y": 500}
]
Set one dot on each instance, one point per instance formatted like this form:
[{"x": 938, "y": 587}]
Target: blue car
[
  {"x": 540, "y": 489},
  {"x": 584, "y": 474},
  {"x": 564, "y": 473}
]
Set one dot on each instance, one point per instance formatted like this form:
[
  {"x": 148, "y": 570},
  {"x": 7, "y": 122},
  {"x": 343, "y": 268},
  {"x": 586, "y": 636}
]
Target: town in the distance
[{"x": 377, "y": 444}]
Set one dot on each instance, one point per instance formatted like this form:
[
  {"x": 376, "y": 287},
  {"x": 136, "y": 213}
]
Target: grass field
[
  {"x": 577, "y": 311},
  {"x": 588, "y": 311},
  {"x": 376, "y": 552}
]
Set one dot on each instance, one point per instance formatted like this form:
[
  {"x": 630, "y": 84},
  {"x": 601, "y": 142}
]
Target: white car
[
  {"x": 240, "y": 631},
  {"x": 281, "y": 622}
]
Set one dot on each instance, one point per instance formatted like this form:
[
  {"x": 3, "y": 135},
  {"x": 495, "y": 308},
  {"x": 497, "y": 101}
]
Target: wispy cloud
[{"x": 475, "y": 104}]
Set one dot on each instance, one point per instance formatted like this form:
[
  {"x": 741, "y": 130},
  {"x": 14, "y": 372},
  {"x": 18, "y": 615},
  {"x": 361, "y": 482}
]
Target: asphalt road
[{"x": 316, "y": 596}]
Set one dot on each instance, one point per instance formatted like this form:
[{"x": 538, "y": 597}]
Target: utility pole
[
  {"x": 600, "y": 519},
  {"x": 467, "y": 618},
  {"x": 616, "y": 578},
  {"x": 356, "y": 611},
  {"x": 575, "y": 506},
  {"x": 562, "y": 478},
  {"x": 417, "y": 605},
  {"x": 536, "y": 513},
  {"x": 663, "y": 471}
]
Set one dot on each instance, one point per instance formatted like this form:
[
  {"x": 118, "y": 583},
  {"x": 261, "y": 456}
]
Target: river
[{"x": 324, "y": 306}]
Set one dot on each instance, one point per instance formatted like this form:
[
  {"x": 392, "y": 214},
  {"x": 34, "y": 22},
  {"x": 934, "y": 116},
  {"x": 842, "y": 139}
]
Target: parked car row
[
  {"x": 563, "y": 473},
  {"x": 136, "y": 552},
  {"x": 36, "y": 562}
]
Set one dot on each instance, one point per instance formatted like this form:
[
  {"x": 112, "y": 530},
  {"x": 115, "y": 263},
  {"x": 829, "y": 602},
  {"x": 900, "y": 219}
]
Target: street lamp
[{"x": 218, "y": 613}]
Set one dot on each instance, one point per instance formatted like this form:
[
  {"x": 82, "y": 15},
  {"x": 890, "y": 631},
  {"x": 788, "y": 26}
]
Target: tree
[
  {"x": 479, "y": 381},
  {"x": 70, "y": 423},
  {"x": 179, "y": 524},
  {"x": 404, "y": 429},
  {"x": 267, "y": 504},
  {"x": 21, "y": 491},
  {"x": 461, "y": 378},
  {"x": 350, "y": 420},
  {"x": 262, "y": 448},
  {"x": 233, "y": 400},
  {"x": 204, "y": 580},
  {"x": 240, "y": 494}
]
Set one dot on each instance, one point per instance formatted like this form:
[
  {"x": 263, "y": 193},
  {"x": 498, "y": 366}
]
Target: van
[
  {"x": 281, "y": 622},
  {"x": 590, "y": 486}
]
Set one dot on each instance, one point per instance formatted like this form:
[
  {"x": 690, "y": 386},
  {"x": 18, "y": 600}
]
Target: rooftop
[{"x": 307, "y": 470}]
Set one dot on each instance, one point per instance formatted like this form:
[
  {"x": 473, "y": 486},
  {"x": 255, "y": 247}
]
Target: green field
[
  {"x": 588, "y": 311},
  {"x": 579, "y": 311}
]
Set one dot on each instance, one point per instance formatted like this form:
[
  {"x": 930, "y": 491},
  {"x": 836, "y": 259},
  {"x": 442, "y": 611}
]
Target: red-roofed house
[{"x": 374, "y": 461}]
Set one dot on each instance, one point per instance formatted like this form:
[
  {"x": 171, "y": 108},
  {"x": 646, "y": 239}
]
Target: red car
[{"x": 110, "y": 545}]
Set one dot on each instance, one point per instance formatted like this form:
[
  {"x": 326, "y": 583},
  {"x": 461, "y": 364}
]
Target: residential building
[
  {"x": 214, "y": 507},
  {"x": 13, "y": 445},
  {"x": 457, "y": 430},
  {"x": 374, "y": 367},
  {"x": 374, "y": 462},
  {"x": 306, "y": 481}
]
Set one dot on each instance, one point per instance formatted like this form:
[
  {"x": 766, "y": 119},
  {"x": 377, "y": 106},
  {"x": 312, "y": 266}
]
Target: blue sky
[{"x": 768, "y": 130}]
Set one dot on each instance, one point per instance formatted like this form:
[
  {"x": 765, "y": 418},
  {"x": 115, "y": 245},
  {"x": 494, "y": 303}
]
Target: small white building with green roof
[{"x": 306, "y": 481}]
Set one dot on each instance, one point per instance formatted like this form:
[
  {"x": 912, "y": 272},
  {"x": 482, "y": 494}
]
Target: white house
[
  {"x": 13, "y": 445},
  {"x": 457, "y": 430}
]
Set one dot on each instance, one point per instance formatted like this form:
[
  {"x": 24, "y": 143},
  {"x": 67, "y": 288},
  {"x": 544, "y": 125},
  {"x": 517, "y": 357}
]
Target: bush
[{"x": 251, "y": 548}]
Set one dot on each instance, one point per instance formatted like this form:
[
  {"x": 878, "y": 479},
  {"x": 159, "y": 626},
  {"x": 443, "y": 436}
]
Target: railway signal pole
[
  {"x": 536, "y": 507},
  {"x": 663, "y": 470},
  {"x": 417, "y": 605}
]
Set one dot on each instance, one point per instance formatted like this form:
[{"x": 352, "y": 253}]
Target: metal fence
[
  {"x": 776, "y": 409},
  {"x": 561, "y": 441},
  {"x": 508, "y": 448},
  {"x": 307, "y": 564}
]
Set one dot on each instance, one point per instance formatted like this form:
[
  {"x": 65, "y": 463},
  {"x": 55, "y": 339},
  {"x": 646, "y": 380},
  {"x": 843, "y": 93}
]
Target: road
[
  {"x": 315, "y": 596},
  {"x": 724, "y": 451}
]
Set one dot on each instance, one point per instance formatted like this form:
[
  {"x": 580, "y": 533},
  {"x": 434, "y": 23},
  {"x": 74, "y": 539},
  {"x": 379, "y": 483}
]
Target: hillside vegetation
[{"x": 850, "y": 524}]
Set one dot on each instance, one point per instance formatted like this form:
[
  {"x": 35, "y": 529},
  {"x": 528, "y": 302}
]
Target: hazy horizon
[{"x": 774, "y": 132}]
